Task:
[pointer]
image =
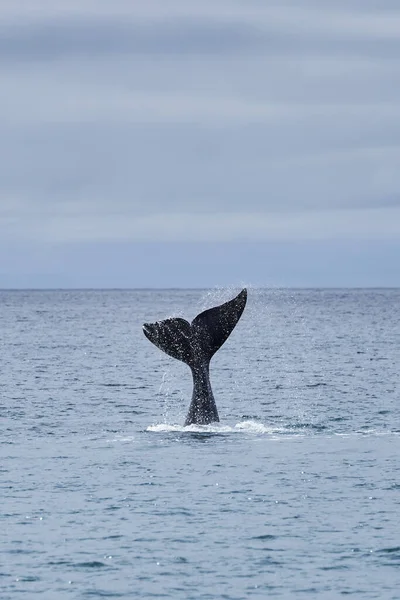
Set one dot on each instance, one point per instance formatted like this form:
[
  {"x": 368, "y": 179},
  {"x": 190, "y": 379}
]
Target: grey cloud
[
  {"x": 121, "y": 169},
  {"x": 273, "y": 32},
  {"x": 55, "y": 40},
  {"x": 209, "y": 227},
  {"x": 194, "y": 90},
  {"x": 221, "y": 131}
]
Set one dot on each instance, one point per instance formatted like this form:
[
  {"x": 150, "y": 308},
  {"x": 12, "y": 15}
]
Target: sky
[{"x": 199, "y": 143}]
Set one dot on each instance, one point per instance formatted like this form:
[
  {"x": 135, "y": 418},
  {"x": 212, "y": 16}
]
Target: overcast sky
[{"x": 199, "y": 143}]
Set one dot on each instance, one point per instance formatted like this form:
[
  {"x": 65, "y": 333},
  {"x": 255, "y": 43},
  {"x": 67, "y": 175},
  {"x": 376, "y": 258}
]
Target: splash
[{"x": 252, "y": 427}]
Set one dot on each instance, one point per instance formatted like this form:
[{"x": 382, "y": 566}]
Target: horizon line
[{"x": 201, "y": 288}]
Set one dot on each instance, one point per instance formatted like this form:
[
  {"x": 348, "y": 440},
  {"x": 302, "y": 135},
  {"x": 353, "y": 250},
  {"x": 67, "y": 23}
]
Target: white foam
[
  {"x": 244, "y": 426},
  {"x": 256, "y": 427}
]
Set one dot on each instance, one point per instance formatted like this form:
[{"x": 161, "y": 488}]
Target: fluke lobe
[{"x": 195, "y": 344}]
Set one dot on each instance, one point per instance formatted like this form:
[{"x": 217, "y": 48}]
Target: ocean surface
[{"x": 295, "y": 494}]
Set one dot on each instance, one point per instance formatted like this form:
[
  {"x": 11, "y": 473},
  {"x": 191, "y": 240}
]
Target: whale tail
[{"x": 200, "y": 340}]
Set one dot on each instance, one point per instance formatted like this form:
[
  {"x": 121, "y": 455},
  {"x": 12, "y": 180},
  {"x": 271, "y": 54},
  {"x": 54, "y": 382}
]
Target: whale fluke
[
  {"x": 195, "y": 344},
  {"x": 212, "y": 327},
  {"x": 173, "y": 336}
]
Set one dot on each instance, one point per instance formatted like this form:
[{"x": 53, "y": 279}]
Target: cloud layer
[{"x": 202, "y": 121}]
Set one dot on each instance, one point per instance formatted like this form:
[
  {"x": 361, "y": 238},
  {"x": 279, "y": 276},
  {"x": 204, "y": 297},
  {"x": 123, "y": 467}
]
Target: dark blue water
[{"x": 295, "y": 494}]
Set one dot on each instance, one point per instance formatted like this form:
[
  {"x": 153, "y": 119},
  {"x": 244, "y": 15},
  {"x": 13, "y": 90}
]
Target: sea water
[{"x": 294, "y": 494}]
